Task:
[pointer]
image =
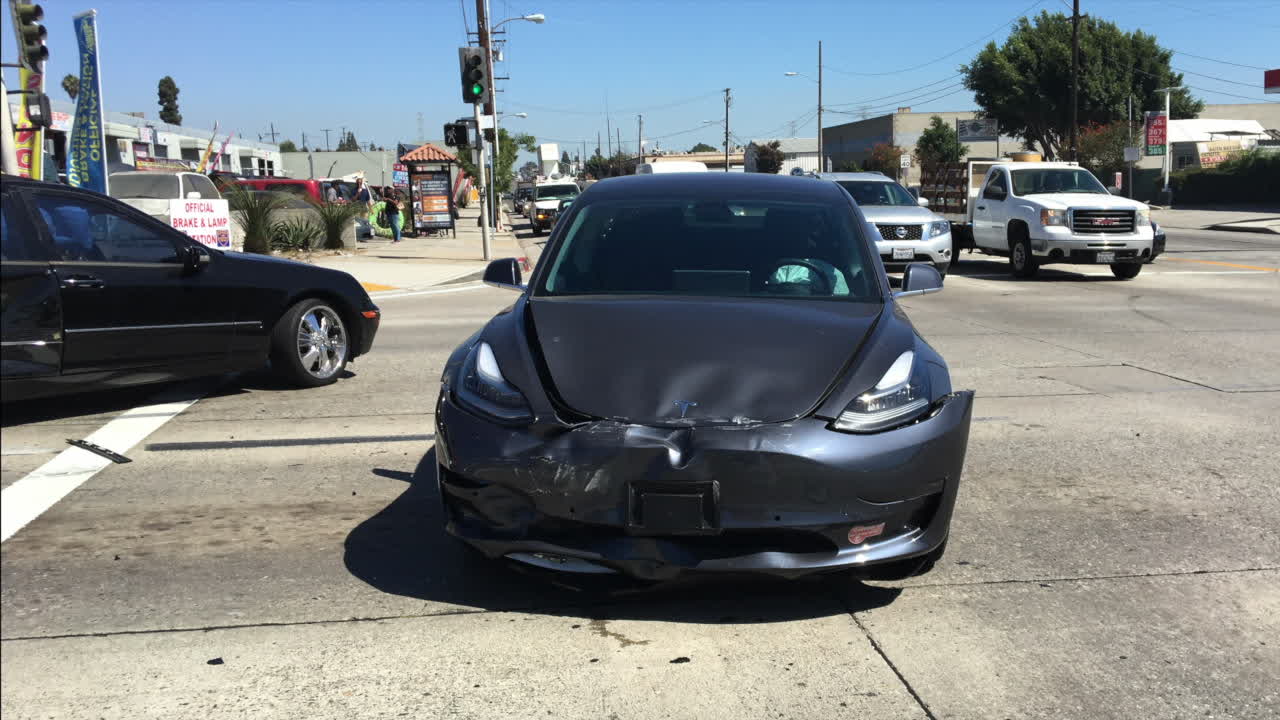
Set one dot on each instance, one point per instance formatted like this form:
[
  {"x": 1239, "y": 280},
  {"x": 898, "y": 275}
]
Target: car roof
[
  {"x": 676, "y": 184},
  {"x": 863, "y": 176}
]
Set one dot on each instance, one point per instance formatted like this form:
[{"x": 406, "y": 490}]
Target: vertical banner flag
[
  {"x": 29, "y": 140},
  {"x": 1157, "y": 132},
  {"x": 217, "y": 160},
  {"x": 208, "y": 150},
  {"x": 87, "y": 155}
]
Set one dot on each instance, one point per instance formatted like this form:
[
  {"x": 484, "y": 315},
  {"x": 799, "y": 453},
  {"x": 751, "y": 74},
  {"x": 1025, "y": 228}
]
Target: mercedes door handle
[{"x": 88, "y": 282}]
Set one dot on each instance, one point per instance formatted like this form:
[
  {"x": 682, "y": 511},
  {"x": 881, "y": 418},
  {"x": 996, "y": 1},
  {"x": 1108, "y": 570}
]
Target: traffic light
[
  {"x": 455, "y": 135},
  {"x": 32, "y": 51},
  {"x": 475, "y": 77}
]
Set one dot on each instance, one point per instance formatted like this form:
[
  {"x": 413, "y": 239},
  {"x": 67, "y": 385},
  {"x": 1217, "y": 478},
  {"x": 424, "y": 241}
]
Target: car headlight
[
  {"x": 939, "y": 228},
  {"x": 1053, "y": 217},
  {"x": 1143, "y": 217},
  {"x": 485, "y": 390},
  {"x": 901, "y": 396}
]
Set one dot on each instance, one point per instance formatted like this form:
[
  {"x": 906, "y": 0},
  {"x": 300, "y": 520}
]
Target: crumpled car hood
[{"x": 716, "y": 361}]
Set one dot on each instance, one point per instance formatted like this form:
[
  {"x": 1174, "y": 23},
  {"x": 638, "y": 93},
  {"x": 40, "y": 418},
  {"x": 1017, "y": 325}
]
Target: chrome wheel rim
[{"x": 322, "y": 342}]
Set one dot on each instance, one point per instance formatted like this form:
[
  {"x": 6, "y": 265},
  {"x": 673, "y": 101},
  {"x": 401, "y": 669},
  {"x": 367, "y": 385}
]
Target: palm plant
[
  {"x": 254, "y": 210},
  {"x": 335, "y": 218}
]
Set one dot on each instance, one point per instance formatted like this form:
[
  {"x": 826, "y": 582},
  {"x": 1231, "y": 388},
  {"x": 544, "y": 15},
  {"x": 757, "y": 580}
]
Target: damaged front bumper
[{"x": 785, "y": 499}]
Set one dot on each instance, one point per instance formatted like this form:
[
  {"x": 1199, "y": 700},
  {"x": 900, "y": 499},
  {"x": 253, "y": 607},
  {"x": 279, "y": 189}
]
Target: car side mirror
[
  {"x": 922, "y": 202},
  {"x": 194, "y": 259},
  {"x": 919, "y": 279},
  {"x": 193, "y": 195},
  {"x": 504, "y": 273}
]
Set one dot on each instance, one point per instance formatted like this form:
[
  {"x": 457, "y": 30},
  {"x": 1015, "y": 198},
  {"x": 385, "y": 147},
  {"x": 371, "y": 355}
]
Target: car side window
[
  {"x": 86, "y": 230},
  {"x": 997, "y": 189},
  {"x": 16, "y": 240}
]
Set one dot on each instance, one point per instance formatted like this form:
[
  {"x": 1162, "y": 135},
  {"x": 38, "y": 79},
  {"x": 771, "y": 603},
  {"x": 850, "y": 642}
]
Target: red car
[{"x": 315, "y": 190}]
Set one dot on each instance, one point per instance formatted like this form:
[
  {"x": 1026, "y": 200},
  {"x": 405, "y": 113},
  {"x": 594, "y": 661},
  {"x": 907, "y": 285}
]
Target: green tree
[
  {"x": 509, "y": 150},
  {"x": 884, "y": 158},
  {"x": 348, "y": 143},
  {"x": 939, "y": 144},
  {"x": 1102, "y": 149},
  {"x": 288, "y": 146},
  {"x": 597, "y": 166},
  {"x": 564, "y": 158},
  {"x": 1026, "y": 83},
  {"x": 71, "y": 84},
  {"x": 847, "y": 166},
  {"x": 167, "y": 91},
  {"x": 702, "y": 147},
  {"x": 769, "y": 157}
]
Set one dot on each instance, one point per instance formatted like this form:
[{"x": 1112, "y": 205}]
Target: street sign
[
  {"x": 1119, "y": 179},
  {"x": 1132, "y": 154},
  {"x": 1157, "y": 132},
  {"x": 1271, "y": 81},
  {"x": 455, "y": 135},
  {"x": 977, "y": 129},
  {"x": 904, "y": 161}
]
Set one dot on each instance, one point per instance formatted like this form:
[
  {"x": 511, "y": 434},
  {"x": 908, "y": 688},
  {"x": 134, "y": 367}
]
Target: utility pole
[
  {"x": 619, "y": 145},
  {"x": 608, "y": 132},
  {"x": 640, "y": 141},
  {"x": 822, "y": 163},
  {"x": 304, "y": 140},
  {"x": 726, "y": 129},
  {"x": 482, "y": 27},
  {"x": 326, "y": 132},
  {"x": 273, "y": 133},
  {"x": 1128, "y": 118},
  {"x": 1075, "y": 76}
]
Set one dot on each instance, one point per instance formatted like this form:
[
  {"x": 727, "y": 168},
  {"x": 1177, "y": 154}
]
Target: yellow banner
[{"x": 29, "y": 140}]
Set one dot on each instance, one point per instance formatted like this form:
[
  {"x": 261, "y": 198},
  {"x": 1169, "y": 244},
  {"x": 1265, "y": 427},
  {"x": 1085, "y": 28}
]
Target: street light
[
  {"x": 1168, "y": 161},
  {"x": 537, "y": 19},
  {"x": 822, "y": 163}
]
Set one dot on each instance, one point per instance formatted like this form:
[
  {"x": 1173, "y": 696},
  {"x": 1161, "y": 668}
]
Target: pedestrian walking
[{"x": 391, "y": 207}]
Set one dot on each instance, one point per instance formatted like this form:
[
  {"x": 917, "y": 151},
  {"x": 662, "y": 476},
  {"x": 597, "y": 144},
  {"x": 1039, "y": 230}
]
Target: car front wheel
[
  {"x": 1126, "y": 271},
  {"x": 1021, "y": 260},
  {"x": 310, "y": 345}
]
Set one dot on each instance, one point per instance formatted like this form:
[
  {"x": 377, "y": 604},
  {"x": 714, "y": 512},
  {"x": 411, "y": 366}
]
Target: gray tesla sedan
[{"x": 705, "y": 373}]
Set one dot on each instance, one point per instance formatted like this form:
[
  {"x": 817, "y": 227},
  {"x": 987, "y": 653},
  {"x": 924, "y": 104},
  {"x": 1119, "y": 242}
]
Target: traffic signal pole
[{"x": 484, "y": 208}]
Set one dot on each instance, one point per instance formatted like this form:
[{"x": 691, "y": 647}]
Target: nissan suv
[{"x": 904, "y": 229}]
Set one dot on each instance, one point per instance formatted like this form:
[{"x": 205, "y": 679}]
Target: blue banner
[{"x": 86, "y": 152}]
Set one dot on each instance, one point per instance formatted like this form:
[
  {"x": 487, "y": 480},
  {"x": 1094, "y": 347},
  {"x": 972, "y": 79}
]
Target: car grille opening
[
  {"x": 889, "y": 231},
  {"x": 1106, "y": 222}
]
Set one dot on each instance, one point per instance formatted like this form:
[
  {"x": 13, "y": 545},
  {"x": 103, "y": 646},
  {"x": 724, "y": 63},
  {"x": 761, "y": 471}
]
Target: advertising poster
[
  {"x": 87, "y": 154},
  {"x": 29, "y": 140},
  {"x": 205, "y": 221},
  {"x": 1157, "y": 132},
  {"x": 431, "y": 200},
  {"x": 400, "y": 175}
]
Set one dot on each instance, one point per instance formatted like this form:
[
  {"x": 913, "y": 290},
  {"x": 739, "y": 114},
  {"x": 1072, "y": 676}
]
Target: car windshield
[
  {"x": 1055, "y": 180},
  {"x": 712, "y": 247},
  {"x": 557, "y": 192},
  {"x": 151, "y": 186},
  {"x": 870, "y": 192}
]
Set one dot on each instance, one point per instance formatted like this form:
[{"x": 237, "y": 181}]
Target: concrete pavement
[
  {"x": 1264, "y": 219},
  {"x": 1115, "y": 551}
]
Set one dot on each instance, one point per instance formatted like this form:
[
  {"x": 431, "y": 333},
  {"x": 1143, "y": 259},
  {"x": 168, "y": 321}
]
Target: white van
[{"x": 675, "y": 166}]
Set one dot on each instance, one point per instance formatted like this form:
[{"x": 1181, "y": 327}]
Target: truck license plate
[
  {"x": 903, "y": 253},
  {"x": 1106, "y": 257}
]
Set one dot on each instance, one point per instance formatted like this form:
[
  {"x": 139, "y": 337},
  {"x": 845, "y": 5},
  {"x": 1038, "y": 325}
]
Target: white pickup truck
[{"x": 1037, "y": 213}]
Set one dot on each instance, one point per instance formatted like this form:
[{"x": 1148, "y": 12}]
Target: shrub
[
  {"x": 253, "y": 210},
  {"x": 295, "y": 234},
  {"x": 1251, "y": 176},
  {"x": 336, "y": 218}
]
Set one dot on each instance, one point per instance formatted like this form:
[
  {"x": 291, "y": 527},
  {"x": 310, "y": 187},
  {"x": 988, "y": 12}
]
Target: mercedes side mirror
[
  {"x": 194, "y": 259},
  {"x": 922, "y": 202},
  {"x": 504, "y": 273},
  {"x": 919, "y": 279}
]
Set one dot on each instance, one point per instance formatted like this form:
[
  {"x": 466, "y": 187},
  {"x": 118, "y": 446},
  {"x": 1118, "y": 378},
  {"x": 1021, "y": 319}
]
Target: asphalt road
[{"x": 272, "y": 553}]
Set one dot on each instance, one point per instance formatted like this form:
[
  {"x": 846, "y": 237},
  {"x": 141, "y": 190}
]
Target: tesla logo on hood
[{"x": 684, "y": 406}]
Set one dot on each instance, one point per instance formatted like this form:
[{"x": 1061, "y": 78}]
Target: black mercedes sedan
[
  {"x": 706, "y": 373},
  {"x": 98, "y": 295}
]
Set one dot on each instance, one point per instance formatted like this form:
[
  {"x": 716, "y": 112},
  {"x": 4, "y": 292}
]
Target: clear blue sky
[{"x": 373, "y": 66}]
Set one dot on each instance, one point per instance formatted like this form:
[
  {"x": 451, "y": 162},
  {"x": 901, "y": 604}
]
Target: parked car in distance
[
  {"x": 1157, "y": 241},
  {"x": 315, "y": 190},
  {"x": 906, "y": 231},
  {"x": 97, "y": 294},
  {"x": 151, "y": 192},
  {"x": 707, "y": 373}
]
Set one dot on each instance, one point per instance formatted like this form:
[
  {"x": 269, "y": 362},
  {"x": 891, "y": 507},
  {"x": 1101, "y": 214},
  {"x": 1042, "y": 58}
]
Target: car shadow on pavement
[
  {"x": 404, "y": 550},
  {"x": 993, "y": 268}
]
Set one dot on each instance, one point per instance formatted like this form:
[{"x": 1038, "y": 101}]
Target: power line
[
  {"x": 951, "y": 88},
  {"x": 1212, "y": 77},
  {"x": 466, "y": 24},
  {"x": 614, "y": 111},
  {"x": 886, "y": 97},
  {"x": 1241, "y": 97},
  {"x": 953, "y": 52},
  {"x": 1224, "y": 62}
]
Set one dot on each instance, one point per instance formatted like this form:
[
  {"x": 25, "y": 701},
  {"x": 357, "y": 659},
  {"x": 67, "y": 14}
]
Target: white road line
[
  {"x": 391, "y": 294},
  {"x": 28, "y": 498},
  {"x": 1149, "y": 272}
]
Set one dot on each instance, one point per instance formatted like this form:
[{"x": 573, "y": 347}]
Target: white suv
[{"x": 904, "y": 229}]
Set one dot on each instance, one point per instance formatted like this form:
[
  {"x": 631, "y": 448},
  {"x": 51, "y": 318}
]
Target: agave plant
[
  {"x": 295, "y": 234},
  {"x": 335, "y": 218},
  {"x": 253, "y": 210}
]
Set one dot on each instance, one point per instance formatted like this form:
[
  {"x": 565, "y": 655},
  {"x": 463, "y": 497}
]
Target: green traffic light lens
[{"x": 477, "y": 89}]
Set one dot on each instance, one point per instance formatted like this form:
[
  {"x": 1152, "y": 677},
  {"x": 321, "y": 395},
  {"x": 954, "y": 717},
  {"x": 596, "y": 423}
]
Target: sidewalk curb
[{"x": 1231, "y": 227}]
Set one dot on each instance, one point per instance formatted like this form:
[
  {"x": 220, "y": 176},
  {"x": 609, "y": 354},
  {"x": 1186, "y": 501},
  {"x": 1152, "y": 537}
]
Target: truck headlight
[
  {"x": 1143, "y": 217},
  {"x": 901, "y": 396},
  {"x": 483, "y": 389},
  {"x": 939, "y": 228},
  {"x": 1053, "y": 217}
]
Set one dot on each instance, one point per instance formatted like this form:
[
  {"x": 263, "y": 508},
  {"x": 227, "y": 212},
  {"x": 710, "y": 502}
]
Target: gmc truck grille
[
  {"x": 1107, "y": 222},
  {"x": 900, "y": 232}
]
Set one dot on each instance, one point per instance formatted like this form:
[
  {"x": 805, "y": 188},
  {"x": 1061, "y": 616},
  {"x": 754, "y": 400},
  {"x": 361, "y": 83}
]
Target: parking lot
[{"x": 269, "y": 552}]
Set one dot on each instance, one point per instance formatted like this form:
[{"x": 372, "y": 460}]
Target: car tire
[
  {"x": 1126, "y": 271},
  {"x": 1022, "y": 262},
  {"x": 903, "y": 569},
  {"x": 310, "y": 344}
]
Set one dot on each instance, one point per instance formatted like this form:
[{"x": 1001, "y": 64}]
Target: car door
[
  {"x": 988, "y": 228},
  {"x": 130, "y": 297},
  {"x": 30, "y": 307}
]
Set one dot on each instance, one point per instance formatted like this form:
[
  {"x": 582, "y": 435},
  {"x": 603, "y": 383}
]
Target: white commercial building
[{"x": 799, "y": 153}]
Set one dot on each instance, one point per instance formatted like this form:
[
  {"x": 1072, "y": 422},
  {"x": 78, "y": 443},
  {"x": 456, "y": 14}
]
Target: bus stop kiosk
[{"x": 430, "y": 172}]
